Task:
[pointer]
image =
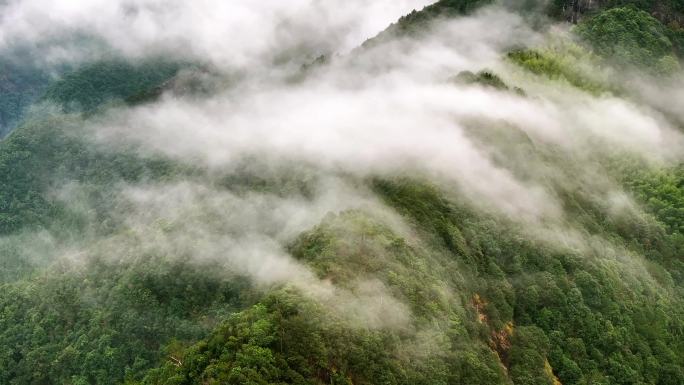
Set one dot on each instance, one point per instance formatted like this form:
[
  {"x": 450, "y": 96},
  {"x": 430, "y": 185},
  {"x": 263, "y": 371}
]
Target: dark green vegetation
[
  {"x": 95, "y": 84},
  {"x": 20, "y": 85},
  {"x": 47, "y": 148},
  {"x": 564, "y": 64},
  {"x": 107, "y": 322},
  {"x": 629, "y": 36},
  {"x": 676, "y": 35},
  {"x": 662, "y": 192},
  {"x": 485, "y": 302},
  {"x": 484, "y": 78},
  {"x": 667, "y": 11},
  {"x": 623, "y": 32},
  {"x": 519, "y": 305},
  {"x": 108, "y": 319},
  {"x": 418, "y": 22}
]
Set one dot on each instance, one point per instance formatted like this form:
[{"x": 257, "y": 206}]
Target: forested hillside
[
  {"x": 21, "y": 85},
  {"x": 476, "y": 192}
]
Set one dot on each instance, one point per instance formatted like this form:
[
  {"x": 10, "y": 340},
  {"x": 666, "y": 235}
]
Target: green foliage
[
  {"x": 663, "y": 193},
  {"x": 51, "y": 148},
  {"x": 338, "y": 250},
  {"x": 485, "y": 78},
  {"x": 108, "y": 321},
  {"x": 287, "y": 339},
  {"x": 487, "y": 303},
  {"x": 628, "y": 36},
  {"x": 418, "y": 22},
  {"x": 577, "y": 318},
  {"x": 579, "y": 313},
  {"x": 570, "y": 298},
  {"x": 675, "y": 33},
  {"x": 23, "y": 254},
  {"x": 565, "y": 63},
  {"x": 424, "y": 204},
  {"x": 20, "y": 85},
  {"x": 528, "y": 356},
  {"x": 94, "y": 84},
  {"x": 664, "y": 10}
]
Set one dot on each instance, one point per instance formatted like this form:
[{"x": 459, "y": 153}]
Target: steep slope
[
  {"x": 629, "y": 36},
  {"x": 94, "y": 84},
  {"x": 47, "y": 148},
  {"x": 517, "y": 308},
  {"x": 122, "y": 264},
  {"x": 20, "y": 85}
]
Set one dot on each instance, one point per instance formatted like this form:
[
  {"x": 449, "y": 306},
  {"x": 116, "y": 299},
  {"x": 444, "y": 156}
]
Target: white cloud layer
[
  {"x": 385, "y": 111},
  {"x": 234, "y": 34},
  {"x": 391, "y": 110}
]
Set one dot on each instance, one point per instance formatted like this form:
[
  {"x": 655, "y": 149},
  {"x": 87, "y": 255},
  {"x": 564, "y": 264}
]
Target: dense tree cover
[
  {"x": 626, "y": 36},
  {"x": 497, "y": 308},
  {"x": 20, "y": 85},
  {"x": 418, "y": 22},
  {"x": 22, "y": 82},
  {"x": 666, "y": 11},
  {"x": 661, "y": 191},
  {"x": 485, "y": 78},
  {"x": 675, "y": 33},
  {"x": 289, "y": 339},
  {"x": 543, "y": 314},
  {"x": 104, "y": 320},
  {"x": 97, "y": 83},
  {"x": 49, "y": 147},
  {"x": 486, "y": 304},
  {"x": 564, "y": 63},
  {"x": 108, "y": 319},
  {"x": 558, "y": 293},
  {"x": 629, "y": 36}
]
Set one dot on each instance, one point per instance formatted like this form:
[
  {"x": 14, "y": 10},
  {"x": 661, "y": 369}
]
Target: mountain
[
  {"x": 20, "y": 86},
  {"x": 481, "y": 193}
]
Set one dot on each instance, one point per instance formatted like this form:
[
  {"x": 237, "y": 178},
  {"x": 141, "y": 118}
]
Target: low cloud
[
  {"x": 243, "y": 234},
  {"x": 384, "y": 111},
  {"x": 237, "y": 34},
  {"x": 351, "y": 117}
]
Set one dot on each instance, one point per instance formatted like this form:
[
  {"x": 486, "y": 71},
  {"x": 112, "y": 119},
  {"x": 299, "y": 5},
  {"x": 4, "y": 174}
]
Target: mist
[
  {"x": 381, "y": 112},
  {"x": 237, "y": 34},
  {"x": 388, "y": 110}
]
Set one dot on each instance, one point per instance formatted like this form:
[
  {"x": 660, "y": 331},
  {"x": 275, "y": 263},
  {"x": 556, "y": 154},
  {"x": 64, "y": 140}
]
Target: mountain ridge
[{"x": 133, "y": 263}]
